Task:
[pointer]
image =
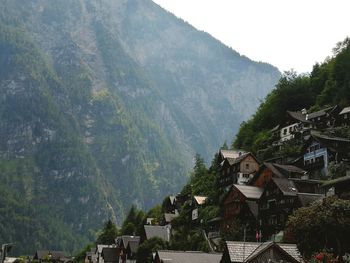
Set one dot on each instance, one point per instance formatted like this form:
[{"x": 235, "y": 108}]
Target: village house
[
  {"x": 254, "y": 252},
  {"x": 324, "y": 118},
  {"x": 238, "y": 170},
  {"x": 165, "y": 256},
  {"x": 270, "y": 170},
  {"x": 295, "y": 122},
  {"x": 344, "y": 116},
  {"x": 169, "y": 204},
  {"x": 340, "y": 147},
  {"x": 317, "y": 157},
  {"x": 127, "y": 251},
  {"x": 279, "y": 200},
  {"x": 241, "y": 203}
]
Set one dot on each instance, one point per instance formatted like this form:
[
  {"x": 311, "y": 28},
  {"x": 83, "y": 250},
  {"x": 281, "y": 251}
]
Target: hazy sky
[{"x": 290, "y": 34}]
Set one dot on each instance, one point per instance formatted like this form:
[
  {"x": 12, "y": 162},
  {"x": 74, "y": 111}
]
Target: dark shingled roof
[
  {"x": 250, "y": 192},
  {"x": 126, "y": 239},
  {"x": 246, "y": 251},
  {"x": 188, "y": 257},
  {"x": 290, "y": 168},
  {"x": 297, "y": 115},
  {"x": 286, "y": 186},
  {"x": 320, "y": 112},
  {"x": 231, "y": 153},
  {"x": 133, "y": 246},
  {"x": 307, "y": 198},
  {"x": 110, "y": 254},
  {"x": 158, "y": 231}
]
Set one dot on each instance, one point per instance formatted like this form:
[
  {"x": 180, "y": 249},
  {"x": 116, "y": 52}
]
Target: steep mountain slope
[{"x": 103, "y": 104}]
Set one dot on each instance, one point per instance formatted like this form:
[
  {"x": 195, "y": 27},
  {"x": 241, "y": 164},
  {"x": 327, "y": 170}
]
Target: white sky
[{"x": 289, "y": 34}]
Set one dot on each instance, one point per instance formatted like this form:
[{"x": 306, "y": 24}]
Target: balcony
[{"x": 315, "y": 154}]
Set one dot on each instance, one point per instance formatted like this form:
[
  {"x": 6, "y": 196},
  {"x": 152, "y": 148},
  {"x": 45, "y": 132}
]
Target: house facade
[
  {"x": 239, "y": 170},
  {"x": 241, "y": 203}
]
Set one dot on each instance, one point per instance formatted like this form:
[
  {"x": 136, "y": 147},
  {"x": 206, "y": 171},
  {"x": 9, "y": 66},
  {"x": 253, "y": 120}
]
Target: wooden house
[
  {"x": 344, "y": 116},
  {"x": 340, "y": 147},
  {"x": 324, "y": 118},
  {"x": 238, "y": 170},
  {"x": 241, "y": 203},
  {"x": 295, "y": 123},
  {"x": 274, "y": 170},
  {"x": 169, "y": 205},
  {"x": 316, "y": 158},
  {"x": 254, "y": 252},
  {"x": 279, "y": 199},
  {"x": 126, "y": 250}
]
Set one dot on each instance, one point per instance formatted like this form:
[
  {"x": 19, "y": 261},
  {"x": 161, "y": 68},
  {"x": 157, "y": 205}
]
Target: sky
[{"x": 289, "y": 34}]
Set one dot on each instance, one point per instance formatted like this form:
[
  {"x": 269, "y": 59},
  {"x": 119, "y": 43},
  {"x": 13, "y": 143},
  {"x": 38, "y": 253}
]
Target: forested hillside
[
  {"x": 328, "y": 84},
  {"x": 103, "y": 105}
]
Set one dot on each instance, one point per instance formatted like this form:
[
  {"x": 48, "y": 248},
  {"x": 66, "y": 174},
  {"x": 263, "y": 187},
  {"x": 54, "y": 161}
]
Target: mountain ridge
[{"x": 90, "y": 127}]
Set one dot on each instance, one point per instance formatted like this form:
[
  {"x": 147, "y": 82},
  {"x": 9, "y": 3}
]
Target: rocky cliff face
[{"x": 103, "y": 104}]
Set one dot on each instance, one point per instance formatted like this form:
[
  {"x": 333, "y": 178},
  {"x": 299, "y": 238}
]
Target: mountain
[{"x": 103, "y": 104}]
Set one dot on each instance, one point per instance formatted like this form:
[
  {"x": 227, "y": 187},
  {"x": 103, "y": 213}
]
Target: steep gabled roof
[
  {"x": 246, "y": 251},
  {"x": 345, "y": 110},
  {"x": 172, "y": 199},
  {"x": 125, "y": 240},
  {"x": 188, "y": 257},
  {"x": 250, "y": 192},
  {"x": 286, "y": 186},
  {"x": 200, "y": 199},
  {"x": 231, "y": 153},
  {"x": 133, "y": 246},
  {"x": 162, "y": 232},
  {"x": 297, "y": 115}
]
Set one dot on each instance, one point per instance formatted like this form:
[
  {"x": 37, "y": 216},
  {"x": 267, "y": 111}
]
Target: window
[
  {"x": 273, "y": 220},
  {"x": 247, "y": 165},
  {"x": 345, "y": 116},
  {"x": 272, "y": 203}
]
